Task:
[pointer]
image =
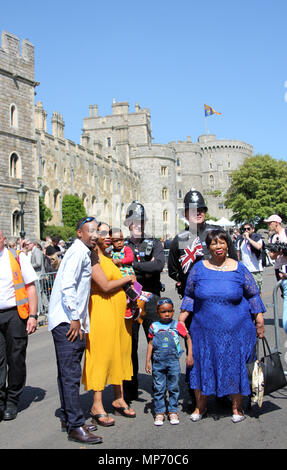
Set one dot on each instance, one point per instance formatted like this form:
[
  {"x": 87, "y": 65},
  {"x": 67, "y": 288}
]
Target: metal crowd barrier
[
  {"x": 276, "y": 319},
  {"x": 44, "y": 288}
]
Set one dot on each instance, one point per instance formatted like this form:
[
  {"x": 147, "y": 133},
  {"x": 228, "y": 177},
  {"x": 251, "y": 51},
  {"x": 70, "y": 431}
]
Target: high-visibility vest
[{"x": 22, "y": 301}]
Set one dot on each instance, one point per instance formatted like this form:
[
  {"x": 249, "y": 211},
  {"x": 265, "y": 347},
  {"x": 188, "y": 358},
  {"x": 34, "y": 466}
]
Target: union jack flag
[{"x": 190, "y": 254}]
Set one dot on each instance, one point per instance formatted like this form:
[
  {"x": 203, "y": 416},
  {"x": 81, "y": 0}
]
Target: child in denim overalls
[{"x": 165, "y": 348}]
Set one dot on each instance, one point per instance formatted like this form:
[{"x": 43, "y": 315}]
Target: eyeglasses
[
  {"x": 87, "y": 219},
  {"x": 247, "y": 228},
  {"x": 164, "y": 301}
]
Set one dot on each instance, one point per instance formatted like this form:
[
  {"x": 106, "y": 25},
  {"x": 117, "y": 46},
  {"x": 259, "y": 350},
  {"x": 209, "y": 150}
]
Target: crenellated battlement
[{"x": 17, "y": 58}]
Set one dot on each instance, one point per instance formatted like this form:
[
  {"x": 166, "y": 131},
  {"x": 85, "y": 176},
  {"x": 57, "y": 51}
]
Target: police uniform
[
  {"x": 178, "y": 266},
  {"x": 148, "y": 275}
]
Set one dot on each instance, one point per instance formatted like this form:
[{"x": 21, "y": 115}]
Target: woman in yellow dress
[{"x": 109, "y": 342}]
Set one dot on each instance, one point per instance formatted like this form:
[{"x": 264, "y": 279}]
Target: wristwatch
[{"x": 34, "y": 316}]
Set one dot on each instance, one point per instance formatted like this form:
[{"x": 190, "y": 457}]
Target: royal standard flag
[{"x": 209, "y": 110}]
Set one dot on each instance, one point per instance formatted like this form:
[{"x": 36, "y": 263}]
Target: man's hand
[
  {"x": 74, "y": 331},
  {"x": 31, "y": 325}
]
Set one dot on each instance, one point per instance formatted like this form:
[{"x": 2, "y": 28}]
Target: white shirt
[
  {"x": 7, "y": 291},
  {"x": 249, "y": 259},
  {"x": 71, "y": 290}
]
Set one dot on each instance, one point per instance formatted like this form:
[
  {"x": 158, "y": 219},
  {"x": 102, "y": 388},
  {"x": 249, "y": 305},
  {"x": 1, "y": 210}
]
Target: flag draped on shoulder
[
  {"x": 191, "y": 252},
  {"x": 208, "y": 110}
]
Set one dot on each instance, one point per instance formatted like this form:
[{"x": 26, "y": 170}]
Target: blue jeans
[
  {"x": 69, "y": 355},
  {"x": 166, "y": 373}
]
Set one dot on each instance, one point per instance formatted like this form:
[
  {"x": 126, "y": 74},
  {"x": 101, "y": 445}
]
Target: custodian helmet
[
  {"x": 135, "y": 211},
  {"x": 194, "y": 199}
]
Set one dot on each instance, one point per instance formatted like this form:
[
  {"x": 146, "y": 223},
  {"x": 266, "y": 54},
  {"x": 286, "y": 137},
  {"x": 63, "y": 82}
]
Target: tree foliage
[
  {"x": 72, "y": 210},
  {"x": 45, "y": 215},
  {"x": 258, "y": 189}
]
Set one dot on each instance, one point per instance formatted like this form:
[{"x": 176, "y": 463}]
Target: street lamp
[{"x": 22, "y": 195}]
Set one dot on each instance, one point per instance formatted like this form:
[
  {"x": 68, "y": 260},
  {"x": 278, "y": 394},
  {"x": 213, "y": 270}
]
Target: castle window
[
  {"x": 13, "y": 116},
  {"x": 14, "y": 166},
  {"x": 165, "y": 216},
  {"x": 178, "y": 163},
  {"x": 109, "y": 142},
  {"x": 179, "y": 194},
  {"x": 211, "y": 181},
  {"x": 15, "y": 223},
  {"x": 164, "y": 194},
  {"x": 163, "y": 170}
]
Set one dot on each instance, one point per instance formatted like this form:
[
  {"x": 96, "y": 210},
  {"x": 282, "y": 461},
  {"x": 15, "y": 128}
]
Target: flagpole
[{"x": 205, "y": 124}]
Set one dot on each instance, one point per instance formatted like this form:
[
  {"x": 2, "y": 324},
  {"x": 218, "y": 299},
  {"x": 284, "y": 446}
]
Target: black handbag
[{"x": 274, "y": 377}]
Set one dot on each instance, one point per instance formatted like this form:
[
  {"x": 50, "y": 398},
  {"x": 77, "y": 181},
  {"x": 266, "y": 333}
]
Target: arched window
[
  {"x": 14, "y": 166},
  {"x": 179, "y": 194},
  {"x": 56, "y": 200},
  {"x": 16, "y": 223},
  {"x": 165, "y": 216},
  {"x": 211, "y": 181},
  {"x": 13, "y": 116},
  {"x": 164, "y": 194}
]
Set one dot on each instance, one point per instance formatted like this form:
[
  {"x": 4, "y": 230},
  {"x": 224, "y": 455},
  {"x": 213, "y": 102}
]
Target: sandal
[
  {"x": 173, "y": 417},
  {"x": 159, "y": 419},
  {"x": 120, "y": 411},
  {"x": 105, "y": 424}
]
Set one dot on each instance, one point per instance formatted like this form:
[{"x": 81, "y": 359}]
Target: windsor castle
[{"x": 115, "y": 162}]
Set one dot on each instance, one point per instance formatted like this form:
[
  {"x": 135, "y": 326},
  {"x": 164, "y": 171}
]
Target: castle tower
[{"x": 17, "y": 137}]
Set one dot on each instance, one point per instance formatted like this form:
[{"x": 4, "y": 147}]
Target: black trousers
[
  {"x": 13, "y": 346},
  {"x": 131, "y": 387},
  {"x": 69, "y": 355}
]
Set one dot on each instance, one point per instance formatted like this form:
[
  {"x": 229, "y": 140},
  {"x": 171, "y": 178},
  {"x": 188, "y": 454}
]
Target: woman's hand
[
  {"x": 131, "y": 278},
  {"x": 259, "y": 323}
]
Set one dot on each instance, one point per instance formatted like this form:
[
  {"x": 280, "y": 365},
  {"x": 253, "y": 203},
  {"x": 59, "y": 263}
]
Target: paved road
[{"x": 37, "y": 426}]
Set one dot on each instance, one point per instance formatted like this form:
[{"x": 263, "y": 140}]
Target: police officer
[
  {"x": 189, "y": 246},
  {"x": 180, "y": 260},
  {"x": 148, "y": 264}
]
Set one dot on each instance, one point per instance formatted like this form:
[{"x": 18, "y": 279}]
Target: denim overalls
[{"x": 166, "y": 367}]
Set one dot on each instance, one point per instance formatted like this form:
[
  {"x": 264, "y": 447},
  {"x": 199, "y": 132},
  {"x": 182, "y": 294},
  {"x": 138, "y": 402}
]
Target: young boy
[
  {"x": 123, "y": 257},
  {"x": 164, "y": 345}
]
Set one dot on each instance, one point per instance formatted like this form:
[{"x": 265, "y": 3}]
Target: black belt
[{"x": 2, "y": 310}]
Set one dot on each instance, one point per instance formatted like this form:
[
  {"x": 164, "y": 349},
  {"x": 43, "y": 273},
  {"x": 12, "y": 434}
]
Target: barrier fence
[{"x": 44, "y": 288}]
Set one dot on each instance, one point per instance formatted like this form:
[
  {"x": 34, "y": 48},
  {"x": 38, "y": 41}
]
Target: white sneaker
[
  {"x": 173, "y": 418},
  {"x": 238, "y": 418},
  {"x": 197, "y": 417},
  {"x": 159, "y": 419}
]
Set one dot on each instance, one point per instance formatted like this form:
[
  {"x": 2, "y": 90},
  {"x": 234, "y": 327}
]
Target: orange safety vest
[{"x": 22, "y": 301}]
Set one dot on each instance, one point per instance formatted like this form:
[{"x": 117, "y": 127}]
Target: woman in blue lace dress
[{"x": 225, "y": 302}]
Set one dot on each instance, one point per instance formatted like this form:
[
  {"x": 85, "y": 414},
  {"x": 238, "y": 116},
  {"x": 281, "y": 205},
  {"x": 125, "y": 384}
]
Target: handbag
[{"x": 270, "y": 363}]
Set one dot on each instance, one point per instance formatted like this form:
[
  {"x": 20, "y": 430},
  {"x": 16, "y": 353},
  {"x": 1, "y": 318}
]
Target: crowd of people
[{"x": 106, "y": 287}]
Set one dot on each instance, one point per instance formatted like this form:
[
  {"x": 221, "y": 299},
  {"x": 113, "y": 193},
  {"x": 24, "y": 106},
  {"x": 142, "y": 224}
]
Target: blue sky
[{"x": 170, "y": 57}]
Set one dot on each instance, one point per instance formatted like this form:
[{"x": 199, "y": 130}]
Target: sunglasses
[
  {"x": 103, "y": 233},
  {"x": 164, "y": 301},
  {"x": 87, "y": 219},
  {"x": 247, "y": 228}
]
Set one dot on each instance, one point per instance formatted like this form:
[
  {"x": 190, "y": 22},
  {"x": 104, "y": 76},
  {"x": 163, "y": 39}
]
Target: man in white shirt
[
  {"x": 249, "y": 249},
  {"x": 14, "y": 329},
  {"x": 68, "y": 319}
]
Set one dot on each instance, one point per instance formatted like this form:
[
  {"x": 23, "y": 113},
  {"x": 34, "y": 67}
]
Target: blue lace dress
[{"x": 222, "y": 331}]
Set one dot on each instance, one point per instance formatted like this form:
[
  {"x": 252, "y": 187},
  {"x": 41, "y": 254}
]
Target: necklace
[{"x": 223, "y": 267}]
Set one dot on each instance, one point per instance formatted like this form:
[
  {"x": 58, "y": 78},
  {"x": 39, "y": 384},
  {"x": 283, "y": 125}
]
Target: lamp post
[{"x": 22, "y": 195}]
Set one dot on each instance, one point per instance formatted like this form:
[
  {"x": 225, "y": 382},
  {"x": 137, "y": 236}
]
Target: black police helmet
[
  {"x": 194, "y": 199},
  {"x": 135, "y": 211}
]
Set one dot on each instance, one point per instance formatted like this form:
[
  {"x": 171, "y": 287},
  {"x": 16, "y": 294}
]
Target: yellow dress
[{"x": 109, "y": 342}]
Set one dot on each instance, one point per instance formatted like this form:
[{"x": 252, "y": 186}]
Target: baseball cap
[{"x": 274, "y": 218}]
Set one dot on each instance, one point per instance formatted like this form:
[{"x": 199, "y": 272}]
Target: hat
[
  {"x": 135, "y": 211},
  {"x": 273, "y": 218},
  {"x": 194, "y": 199}
]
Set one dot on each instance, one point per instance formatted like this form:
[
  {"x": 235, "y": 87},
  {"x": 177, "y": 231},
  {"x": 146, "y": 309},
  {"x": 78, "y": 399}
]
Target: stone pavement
[{"x": 37, "y": 425}]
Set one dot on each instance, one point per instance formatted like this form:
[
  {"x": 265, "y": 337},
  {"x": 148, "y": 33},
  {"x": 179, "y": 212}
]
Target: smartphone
[{"x": 133, "y": 292}]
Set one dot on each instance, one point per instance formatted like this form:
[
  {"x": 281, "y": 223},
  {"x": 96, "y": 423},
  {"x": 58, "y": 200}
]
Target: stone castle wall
[{"x": 115, "y": 162}]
